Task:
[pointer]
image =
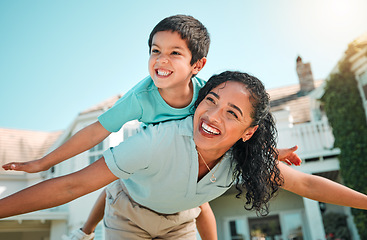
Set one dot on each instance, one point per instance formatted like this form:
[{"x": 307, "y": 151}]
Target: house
[
  {"x": 23, "y": 145},
  {"x": 300, "y": 120},
  {"x": 359, "y": 66}
]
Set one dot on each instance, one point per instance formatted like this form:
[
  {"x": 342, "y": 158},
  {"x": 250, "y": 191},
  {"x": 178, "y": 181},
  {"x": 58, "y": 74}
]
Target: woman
[{"x": 179, "y": 165}]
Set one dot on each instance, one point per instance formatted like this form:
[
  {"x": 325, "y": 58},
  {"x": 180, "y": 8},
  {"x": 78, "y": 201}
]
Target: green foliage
[
  {"x": 336, "y": 226},
  {"x": 345, "y": 112}
]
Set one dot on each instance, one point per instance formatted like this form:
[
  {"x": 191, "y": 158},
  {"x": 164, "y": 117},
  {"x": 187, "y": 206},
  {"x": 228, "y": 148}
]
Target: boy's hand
[
  {"x": 29, "y": 167},
  {"x": 288, "y": 156}
]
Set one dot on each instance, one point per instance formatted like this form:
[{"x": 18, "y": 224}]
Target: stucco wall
[{"x": 228, "y": 206}]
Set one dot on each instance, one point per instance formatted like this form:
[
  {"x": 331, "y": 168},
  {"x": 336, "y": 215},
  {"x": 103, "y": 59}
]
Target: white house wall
[
  {"x": 228, "y": 206},
  {"x": 80, "y": 208},
  {"x": 11, "y": 183}
]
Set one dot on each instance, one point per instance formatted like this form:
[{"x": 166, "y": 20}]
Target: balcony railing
[{"x": 314, "y": 139}]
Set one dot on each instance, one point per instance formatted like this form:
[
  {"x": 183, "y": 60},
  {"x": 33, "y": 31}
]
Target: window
[
  {"x": 95, "y": 153},
  {"x": 293, "y": 226},
  {"x": 237, "y": 230},
  {"x": 284, "y": 226},
  {"x": 98, "y": 147},
  {"x": 265, "y": 228}
]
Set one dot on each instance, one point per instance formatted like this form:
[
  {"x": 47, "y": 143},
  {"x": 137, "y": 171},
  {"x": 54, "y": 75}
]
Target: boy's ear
[
  {"x": 249, "y": 132},
  {"x": 199, "y": 65}
]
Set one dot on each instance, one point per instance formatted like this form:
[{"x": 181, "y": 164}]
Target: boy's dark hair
[
  {"x": 256, "y": 173},
  {"x": 191, "y": 30}
]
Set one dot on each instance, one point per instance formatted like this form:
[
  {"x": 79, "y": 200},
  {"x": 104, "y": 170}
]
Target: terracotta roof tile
[
  {"x": 291, "y": 97},
  {"x": 24, "y": 145}
]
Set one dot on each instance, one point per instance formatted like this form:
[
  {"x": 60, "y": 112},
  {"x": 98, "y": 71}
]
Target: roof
[
  {"x": 104, "y": 105},
  {"x": 361, "y": 40},
  {"x": 297, "y": 102},
  {"x": 357, "y": 45},
  {"x": 24, "y": 145}
]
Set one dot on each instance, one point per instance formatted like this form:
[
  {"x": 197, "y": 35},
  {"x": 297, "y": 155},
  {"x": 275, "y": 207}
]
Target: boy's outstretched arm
[
  {"x": 321, "y": 189},
  {"x": 206, "y": 224},
  {"x": 83, "y": 140},
  {"x": 57, "y": 191},
  {"x": 289, "y": 156}
]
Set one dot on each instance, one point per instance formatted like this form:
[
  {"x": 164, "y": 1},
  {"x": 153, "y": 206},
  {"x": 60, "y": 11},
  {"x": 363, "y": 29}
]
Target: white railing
[{"x": 314, "y": 139}]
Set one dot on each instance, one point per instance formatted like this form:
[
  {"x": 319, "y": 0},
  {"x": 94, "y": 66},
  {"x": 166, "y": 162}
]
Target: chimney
[{"x": 305, "y": 76}]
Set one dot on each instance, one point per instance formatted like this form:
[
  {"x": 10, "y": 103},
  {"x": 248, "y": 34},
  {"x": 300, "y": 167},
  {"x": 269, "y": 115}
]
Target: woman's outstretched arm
[
  {"x": 321, "y": 189},
  {"x": 57, "y": 191}
]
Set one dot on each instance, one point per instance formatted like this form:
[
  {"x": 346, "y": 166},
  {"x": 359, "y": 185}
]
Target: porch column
[
  {"x": 58, "y": 228},
  {"x": 314, "y": 219},
  {"x": 351, "y": 225}
]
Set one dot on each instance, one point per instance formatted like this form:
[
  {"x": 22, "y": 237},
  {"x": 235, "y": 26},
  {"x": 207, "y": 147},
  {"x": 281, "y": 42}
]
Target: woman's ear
[
  {"x": 199, "y": 65},
  {"x": 249, "y": 132}
]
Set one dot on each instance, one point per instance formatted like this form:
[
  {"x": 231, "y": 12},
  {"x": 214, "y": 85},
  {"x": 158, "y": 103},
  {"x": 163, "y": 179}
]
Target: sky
[{"x": 58, "y": 58}]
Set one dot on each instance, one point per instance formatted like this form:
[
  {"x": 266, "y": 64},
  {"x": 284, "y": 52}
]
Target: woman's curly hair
[{"x": 256, "y": 174}]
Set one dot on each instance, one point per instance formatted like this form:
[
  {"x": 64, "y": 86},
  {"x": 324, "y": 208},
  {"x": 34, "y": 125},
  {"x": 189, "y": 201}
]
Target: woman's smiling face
[{"x": 223, "y": 117}]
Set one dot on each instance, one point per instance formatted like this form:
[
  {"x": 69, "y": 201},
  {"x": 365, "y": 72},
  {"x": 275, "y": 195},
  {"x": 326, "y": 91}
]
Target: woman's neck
[
  {"x": 210, "y": 157},
  {"x": 206, "y": 166}
]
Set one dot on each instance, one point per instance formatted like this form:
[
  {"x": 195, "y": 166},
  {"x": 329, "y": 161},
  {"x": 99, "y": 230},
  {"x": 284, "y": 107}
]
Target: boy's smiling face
[{"x": 169, "y": 62}]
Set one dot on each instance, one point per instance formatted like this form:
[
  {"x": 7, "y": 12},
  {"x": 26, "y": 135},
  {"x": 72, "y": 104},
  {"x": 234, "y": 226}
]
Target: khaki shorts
[{"x": 126, "y": 219}]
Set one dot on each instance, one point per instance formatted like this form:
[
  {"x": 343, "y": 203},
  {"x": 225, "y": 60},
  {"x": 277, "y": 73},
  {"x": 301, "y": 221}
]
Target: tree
[{"x": 343, "y": 106}]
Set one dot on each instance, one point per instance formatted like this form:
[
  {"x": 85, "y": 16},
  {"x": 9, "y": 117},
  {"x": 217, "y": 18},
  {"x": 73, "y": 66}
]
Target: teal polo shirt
[
  {"x": 159, "y": 167},
  {"x": 144, "y": 103}
]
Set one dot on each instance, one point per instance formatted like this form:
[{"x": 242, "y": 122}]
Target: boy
[{"x": 178, "y": 47}]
